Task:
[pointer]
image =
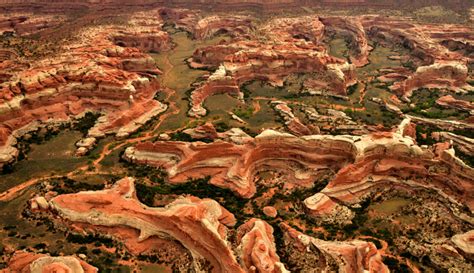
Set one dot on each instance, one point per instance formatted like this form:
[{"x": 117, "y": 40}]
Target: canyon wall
[{"x": 221, "y": 5}]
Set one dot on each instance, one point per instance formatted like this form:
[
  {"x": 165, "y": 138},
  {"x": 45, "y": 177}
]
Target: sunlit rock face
[
  {"x": 41, "y": 263},
  {"x": 235, "y": 166},
  {"x": 257, "y": 247},
  {"x": 436, "y": 50},
  {"x": 363, "y": 164},
  {"x": 91, "y": 74},
  {"x": 290, "y": 45},
  {"x": 326, "y": 256},
  {"x": 393, "y": 159},
  {"x": 198, "y": 224}
]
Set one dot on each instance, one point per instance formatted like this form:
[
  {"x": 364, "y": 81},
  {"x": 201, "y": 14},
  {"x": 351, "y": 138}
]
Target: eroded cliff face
[
  {"x": 235, "y": 166},
  {"x": 363, "y": 165},
  {"x": 394, "y": 160},
  {"x": 91, "y": 74},
  {"x": 219, "y": 5},
  {"x": 201, "y": 226},
  {"x": 314, "y": 167},
  {"x": 198, "y": 224},
  {"x": 257, "y": 247},
  {"x": 291, "y": 45},
  {"x": 41, "y": 263},
  {"x": 309, "y": 253}
]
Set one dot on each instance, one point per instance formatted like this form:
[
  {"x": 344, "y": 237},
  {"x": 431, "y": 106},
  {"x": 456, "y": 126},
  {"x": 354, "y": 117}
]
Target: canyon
[{"x": 236, "y": 136}]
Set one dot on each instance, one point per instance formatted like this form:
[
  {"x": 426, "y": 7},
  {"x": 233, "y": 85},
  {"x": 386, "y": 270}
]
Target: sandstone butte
[
  {"x": 363, "y": 164},
  {"x": 25, "y": 262},
  {"x": 114, "y": 211},
  {"x": 92, "y": 74}
]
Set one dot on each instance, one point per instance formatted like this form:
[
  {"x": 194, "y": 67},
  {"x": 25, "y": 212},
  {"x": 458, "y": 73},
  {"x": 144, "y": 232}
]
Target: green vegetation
[
  {"x": 244, "y": 112},
  {"x": 86, "y": 122},
  {"x": 424, "y": 101}
]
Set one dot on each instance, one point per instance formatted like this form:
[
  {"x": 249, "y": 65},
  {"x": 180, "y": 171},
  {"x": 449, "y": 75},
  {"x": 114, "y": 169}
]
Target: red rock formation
[
  {"x": 429, "y": 46},
  {"x": 243, "y": 61},
  {"x": 270, "y": 211},
  {"x": 450, "y": 75},
  {"x": 351, "y": 27},
  {"x": 25, "y": 24},
  {"x": 30, "y": 262},
  {"x": 394, "y": 160},
  {"x": 233, "y": 25},
  {"x": 257, "y": 248},
  {"x": 294, "y": 125},
  {"x": 219, "y": 5},
  {"x": 465, "y": 242},
  {"x": 235, "y": 166},
  {"x": 144, "y": 32},
  {"x": 464, "y": 144},
  {"x": 198, "y": 224},
  {"x": 90, "y": 75},
  {"x": 205, "y": 131},
  {"x": 349, "y": 256},
  {"x": 450, "y": 102}
]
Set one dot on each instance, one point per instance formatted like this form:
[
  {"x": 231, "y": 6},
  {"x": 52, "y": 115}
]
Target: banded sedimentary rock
[
  {"x": 233, "y": 25},
  {"x": 219, "y": 5},
  {"x": 439, "y": 64},
  {"x": 41, "y": 263},
  {"x": 235, "y": 166},
  {"x": 198, "y": 224},
  {"x": 291, "y": 46},
  {"x": 465, "y": 242},
  {"x": 91, "y": 74},
  {"x": 257, "y": 248},
  {"x": 28, "y": 23},
  {"x": 394, "y": 160},
  {"x": 351, "y": 28},
  {"x": 310, "y": 254},
  {"x": 144, "y": 31},
  {"x": 450, "y": 102},
  {"x": 293, "y": 124},
  {"x": 464, "y": 144},
  {"x": 449, "y": 75}
]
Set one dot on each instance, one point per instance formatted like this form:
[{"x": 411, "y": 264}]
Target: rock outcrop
[
  {"x": 351, "y": 28},
  {"x": 294, "y": 125},
  {"x": 198, "y": 224},
  {"x": 290, "y": 46},
  {"x": 257, "y": 248},
  {"x": 436, "y": 64},
  {"x": 393, "y": 160},
  {"x": 465, "y": 242},
  {"x": 217, "y": 5},
  {"x": 450, "y": 102},
  {"x": 449, "y": 75},
  {"x": 348, "y": 256},
  {"x": 235, "y": 166},
  {"x": 42, "y": 263},
  {"x": 27, "y": 23},
  {"x": 91, "y": 74},
  {"x": 233, "y": 25}
]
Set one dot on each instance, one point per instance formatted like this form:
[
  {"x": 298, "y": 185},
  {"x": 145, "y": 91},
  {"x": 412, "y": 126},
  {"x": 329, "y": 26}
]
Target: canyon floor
[{"x": 183, "y": 140}]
